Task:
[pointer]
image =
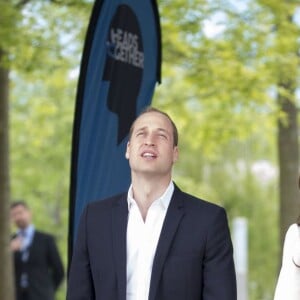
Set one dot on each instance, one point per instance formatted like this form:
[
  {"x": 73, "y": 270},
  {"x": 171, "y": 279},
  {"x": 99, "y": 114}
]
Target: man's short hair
[
  {"x": 18, "y": 203},
  {"x": 149, "y": 109}
]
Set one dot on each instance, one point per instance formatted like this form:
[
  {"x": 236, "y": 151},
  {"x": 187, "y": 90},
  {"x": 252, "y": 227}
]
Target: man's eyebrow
[
  {"x": 163, "y": 129},
  {"x": 159, "y": 129},
  {"x": 141, "y": 128}
]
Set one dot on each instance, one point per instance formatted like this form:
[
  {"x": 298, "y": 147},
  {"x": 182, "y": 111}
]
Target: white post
[{"x": 240, "y": 246}]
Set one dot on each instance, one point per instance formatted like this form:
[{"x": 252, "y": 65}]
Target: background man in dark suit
[
  {"x": 38, "y": 266},
  {"x": 154, "y": 242}
]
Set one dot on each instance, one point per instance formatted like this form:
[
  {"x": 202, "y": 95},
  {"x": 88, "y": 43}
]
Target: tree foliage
[
  {"x": 40, "y": 44},
  {"x": 225, "y": 63}
]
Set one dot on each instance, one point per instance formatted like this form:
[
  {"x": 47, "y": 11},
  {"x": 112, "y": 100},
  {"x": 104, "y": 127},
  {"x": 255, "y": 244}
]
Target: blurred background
[{"x": 230, "y": 80}]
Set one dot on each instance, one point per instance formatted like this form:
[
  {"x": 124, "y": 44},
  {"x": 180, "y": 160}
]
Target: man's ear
[
  {"x": 175, "y": 154},
  {"x": 127, "y": 150}
]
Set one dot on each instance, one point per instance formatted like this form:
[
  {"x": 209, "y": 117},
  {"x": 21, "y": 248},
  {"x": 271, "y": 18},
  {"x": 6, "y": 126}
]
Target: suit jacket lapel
[
  {"x": 173, "y": 217},
  {"x": 119, "y": 229}
]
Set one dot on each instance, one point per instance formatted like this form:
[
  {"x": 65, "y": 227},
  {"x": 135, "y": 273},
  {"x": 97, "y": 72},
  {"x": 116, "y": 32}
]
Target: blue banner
[{"x": 120, "y": 67}]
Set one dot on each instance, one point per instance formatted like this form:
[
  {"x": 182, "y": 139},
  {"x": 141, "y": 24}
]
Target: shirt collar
[
  {"x": 28, "y": 230},
  {"x": 164, "y": 199}
]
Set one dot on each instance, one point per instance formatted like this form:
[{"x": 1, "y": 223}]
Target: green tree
[
  {"x": 40, "y": 43},
  {"x": 232, "y": 87},
  {"x": 6, "y": 274},
  {"x": 6, "y": 277}
]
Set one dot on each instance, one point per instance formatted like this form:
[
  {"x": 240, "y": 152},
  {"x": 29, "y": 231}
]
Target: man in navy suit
[
  {"x": 37, "y": 263},
  {"x": 154, "y": 242}
]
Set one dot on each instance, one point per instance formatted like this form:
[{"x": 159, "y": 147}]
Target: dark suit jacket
[
  {"x": 193, "y": 260},
  {"x": 44, "y": 268}
]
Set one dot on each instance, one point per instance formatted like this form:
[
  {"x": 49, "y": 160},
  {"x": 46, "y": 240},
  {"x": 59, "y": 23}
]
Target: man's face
[
  {"x": 151, "y": 148},
  {"x": 20, "y": 216}
]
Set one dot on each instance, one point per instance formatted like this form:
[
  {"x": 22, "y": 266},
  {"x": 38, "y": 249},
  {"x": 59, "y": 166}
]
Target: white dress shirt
[
  {"x": 26, "y": 237},
  {"x": 142, "y": 239},
  {"x": 288, "y": 284}
]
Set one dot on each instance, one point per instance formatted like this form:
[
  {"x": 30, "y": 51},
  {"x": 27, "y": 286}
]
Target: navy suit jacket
[
  {"x": 193, "y": 259},
  {"x": 44, "y": 268}
]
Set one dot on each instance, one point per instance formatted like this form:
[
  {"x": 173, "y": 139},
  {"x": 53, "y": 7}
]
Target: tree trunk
[
  {"x": 6, "y": 271},
  {"x": 288, "y": 163}
]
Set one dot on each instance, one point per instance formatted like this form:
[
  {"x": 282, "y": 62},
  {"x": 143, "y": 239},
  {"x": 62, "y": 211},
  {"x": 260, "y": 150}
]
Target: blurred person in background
[
  {"x": 288, "y": 283},
  {"x": 37, "y": 264}
]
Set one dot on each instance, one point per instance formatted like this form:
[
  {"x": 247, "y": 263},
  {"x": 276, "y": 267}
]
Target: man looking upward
[{"x": 154, "y": 242}]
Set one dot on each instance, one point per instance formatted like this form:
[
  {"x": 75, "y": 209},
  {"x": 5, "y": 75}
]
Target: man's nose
[{"x": 150, "y": 140}]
